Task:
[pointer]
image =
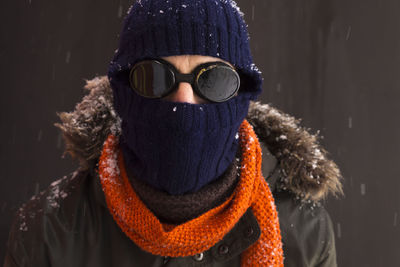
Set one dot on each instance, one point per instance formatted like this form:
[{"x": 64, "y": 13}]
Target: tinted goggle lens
[
  {"x": 216, "y": 82},
  {"x": 151, "y": 79}
]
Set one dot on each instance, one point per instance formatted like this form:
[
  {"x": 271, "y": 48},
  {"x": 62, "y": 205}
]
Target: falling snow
[
  {"x": 59, "y": 140},
  {"x": 363, "y": 189},
  {"x": 57, "y": 193},
  {"x": 120, "y": 11},
  {"x": 39, "y": 138},
  {"x": 278, "y": 87},
  {"x": 68, "y": 57},
  {"x": 348, "y": 33},
  {"x": 53, "y": 74},
  {"x": 339, "y": 230}
]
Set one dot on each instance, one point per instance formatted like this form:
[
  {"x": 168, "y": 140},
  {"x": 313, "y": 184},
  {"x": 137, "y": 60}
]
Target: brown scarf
[
  {"x": 201, "y": 233},
  {"x": 177, "y": 209}
]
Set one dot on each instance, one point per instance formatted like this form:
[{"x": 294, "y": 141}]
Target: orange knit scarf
[{"x": 201, "y": 233}]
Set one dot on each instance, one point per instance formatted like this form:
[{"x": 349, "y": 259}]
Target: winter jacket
[{"x": 68, "y": 224}]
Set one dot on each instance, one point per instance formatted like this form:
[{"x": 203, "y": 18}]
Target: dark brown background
[{"x": 335, "y": 64}]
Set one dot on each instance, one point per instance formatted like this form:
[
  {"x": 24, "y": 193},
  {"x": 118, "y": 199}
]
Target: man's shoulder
[
  {"x": 305, "y": 213},
  {"x": 39, "y": 220},
  {"x": 54, "y": 198},
  {"x": 306, "y": 229}
]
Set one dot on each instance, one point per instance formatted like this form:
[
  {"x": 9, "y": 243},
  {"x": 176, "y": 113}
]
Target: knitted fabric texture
[
  {"x": 159, "y": 28},
  {"x": 181, "y": 208},
  {"x": 201, "y": 233},
  {"x": 192, "y": 143}
]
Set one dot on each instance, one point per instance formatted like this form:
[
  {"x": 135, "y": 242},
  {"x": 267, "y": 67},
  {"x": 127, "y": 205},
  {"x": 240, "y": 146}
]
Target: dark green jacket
[{"x": 69, "y": 224}]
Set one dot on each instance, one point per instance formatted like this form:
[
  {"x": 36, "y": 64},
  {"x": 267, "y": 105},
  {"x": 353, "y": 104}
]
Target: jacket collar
[{"x": 292, "y": 157}]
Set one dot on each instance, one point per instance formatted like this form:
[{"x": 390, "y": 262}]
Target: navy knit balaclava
[{"x": 180, "y": 147}]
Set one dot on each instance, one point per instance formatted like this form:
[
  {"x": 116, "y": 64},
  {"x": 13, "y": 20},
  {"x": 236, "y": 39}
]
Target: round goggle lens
[
  {"x": 218, "y": 83},
  {"x": 151, "y": 79}
]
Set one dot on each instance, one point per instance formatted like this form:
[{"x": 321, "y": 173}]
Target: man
[{"x": 171, "y": 168}]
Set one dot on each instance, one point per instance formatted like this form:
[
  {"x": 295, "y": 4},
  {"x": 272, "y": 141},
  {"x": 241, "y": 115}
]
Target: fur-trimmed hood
[{"x": 307, "y": 172}]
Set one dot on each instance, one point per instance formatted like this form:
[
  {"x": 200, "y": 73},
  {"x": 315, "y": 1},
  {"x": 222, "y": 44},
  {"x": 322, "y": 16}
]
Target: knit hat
[{"x": 158, "y": 28}]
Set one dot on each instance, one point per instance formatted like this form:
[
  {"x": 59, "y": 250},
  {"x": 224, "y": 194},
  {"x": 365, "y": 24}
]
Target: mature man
[{"x": 172, "y": 172}]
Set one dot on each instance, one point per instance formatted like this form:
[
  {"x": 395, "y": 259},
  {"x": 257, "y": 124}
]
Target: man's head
[
  {"x": 167, "y": 28},
  {"x": 175, "y": 140}
]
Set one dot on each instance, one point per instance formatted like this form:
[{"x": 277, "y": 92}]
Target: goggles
[{"x": 214, "y": 81}]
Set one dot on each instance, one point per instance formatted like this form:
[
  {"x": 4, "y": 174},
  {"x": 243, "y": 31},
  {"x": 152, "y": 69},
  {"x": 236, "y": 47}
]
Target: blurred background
[{"x": 334, "y": 64}]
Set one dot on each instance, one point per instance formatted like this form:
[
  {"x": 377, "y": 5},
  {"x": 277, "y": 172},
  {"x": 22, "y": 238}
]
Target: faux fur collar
[{"x": 306, "y": 170}]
